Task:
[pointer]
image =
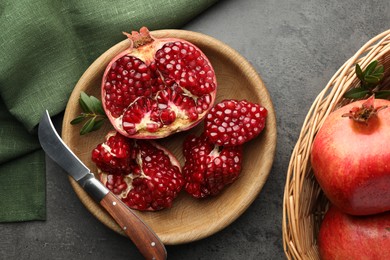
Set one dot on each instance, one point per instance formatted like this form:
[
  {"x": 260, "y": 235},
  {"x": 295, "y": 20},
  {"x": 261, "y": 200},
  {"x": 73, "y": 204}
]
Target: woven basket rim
[{"x": 298, "y": 216}]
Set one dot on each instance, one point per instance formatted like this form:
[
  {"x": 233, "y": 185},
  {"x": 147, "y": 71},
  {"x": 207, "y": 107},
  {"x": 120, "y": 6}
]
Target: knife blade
[{"x": 142, "y": 236}]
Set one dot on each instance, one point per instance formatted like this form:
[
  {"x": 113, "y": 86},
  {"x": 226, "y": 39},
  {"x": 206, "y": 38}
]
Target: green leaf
[
  {"x": 379, "y": 69},
  {"x": 97, "y": 106},
  {"x": 78, "y": 119},
  {"x": 83, "y": 106},
  {"x": 372, "y": 79},
  {"x": 359, "y": 72},
  {"x": 88, "y": 126},
  {"x": 378, "y": 75},
  {"x": 87, "y": 102},
  {"x": 370, "y": 68},
  {"x": 97, "y": 125},
  {"x": 93, "y": 111},
  {"x": 356, "y": 93},
  {"x": 382, "y": 94}
]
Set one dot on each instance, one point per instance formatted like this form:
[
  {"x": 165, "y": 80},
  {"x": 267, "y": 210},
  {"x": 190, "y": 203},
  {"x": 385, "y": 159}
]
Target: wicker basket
[{"x": 304, "y": 203}]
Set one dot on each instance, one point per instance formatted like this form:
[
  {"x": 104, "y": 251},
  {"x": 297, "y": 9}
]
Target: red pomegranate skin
[
  {"x": 351, "y": 160},
  {"x": 343, "y": 236}
]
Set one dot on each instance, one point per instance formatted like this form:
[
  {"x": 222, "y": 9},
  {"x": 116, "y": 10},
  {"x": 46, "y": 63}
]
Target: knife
[{"x": 142, "y": 236}]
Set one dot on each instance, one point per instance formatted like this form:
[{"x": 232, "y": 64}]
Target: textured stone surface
[{"x": 296, "y": 46}]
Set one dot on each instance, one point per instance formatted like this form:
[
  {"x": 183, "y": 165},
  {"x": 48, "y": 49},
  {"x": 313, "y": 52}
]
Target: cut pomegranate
[
  {"x": 143, "y": 174},
  {"x": 157, "y": 87},
  {"x": 233, "y": 122},
  {"x": 115, "y": 156},
  {"x": 208, "y": 167}
]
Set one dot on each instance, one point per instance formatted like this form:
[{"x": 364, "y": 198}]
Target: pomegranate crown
[
  {"x": 139, "y": 38},
  {"x": 365, "y": 112}
]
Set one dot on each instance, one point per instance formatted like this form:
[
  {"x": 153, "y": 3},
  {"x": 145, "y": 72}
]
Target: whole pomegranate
[
  {"x": 144, "y": 175},
  {"x": 343, "y": 236},
  {"x": 157, "y": 87},
  {"x": 351, "y": 157}
]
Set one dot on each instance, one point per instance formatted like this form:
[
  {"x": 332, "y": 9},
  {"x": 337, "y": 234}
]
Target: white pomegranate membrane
[{"x": 157, "y": 87}]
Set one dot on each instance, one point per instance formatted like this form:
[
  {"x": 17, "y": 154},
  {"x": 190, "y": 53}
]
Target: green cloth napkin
[{"x": 45, "y": 46}]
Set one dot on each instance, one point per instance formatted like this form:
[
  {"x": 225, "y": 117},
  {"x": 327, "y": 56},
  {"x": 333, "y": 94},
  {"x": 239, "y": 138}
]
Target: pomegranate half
[{"x": 157, "y": 87}]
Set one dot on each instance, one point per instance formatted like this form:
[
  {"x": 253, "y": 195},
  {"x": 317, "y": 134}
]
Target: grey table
[{"x": 296, "y": 46}]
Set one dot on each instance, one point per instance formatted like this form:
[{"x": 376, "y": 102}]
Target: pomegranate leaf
[
  {"x": 372, "y": 75},
  {"x": 88, "y": 126},
  {"x": 359, "y": 72},
  {"x": 356, "y": 93},
  {"x": 370, "y": 68},
  {"x": 77, "y": 120},
  {"x": 370, "y": 78},
  {"x": 97, "y": 125},
  {"x": 382, "y": 94},
  {"x": 93, "y": 112},
  {"x": 379, "y": 69},
  {"x": 83, "y": 106},
  {"x": 86, "y": 103},
  {"x": 97, "y": 106}
]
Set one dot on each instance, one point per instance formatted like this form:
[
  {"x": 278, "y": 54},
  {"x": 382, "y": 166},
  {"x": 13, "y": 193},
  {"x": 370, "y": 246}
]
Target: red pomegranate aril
[
  {"x": 209, "y": 168},
  {"x": 233, "y": 122},
  {"x": 114, "y": 156},
  {"x": 143, "y": 174},
  {"x": 167, "y": 116},
  {"x": 148, "y": 67},
  {"x": 116, "y": 184}
]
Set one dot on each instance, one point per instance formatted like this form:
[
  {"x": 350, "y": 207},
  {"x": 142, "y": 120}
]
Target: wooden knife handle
[{"x": 142, "y": 236}]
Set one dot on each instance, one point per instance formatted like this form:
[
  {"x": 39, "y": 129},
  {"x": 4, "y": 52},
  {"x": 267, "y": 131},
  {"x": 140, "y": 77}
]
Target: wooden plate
[{"x": 189, "y": 219}]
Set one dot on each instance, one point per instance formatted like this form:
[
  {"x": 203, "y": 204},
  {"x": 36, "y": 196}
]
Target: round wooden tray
[{"x": 189, "y": 219}]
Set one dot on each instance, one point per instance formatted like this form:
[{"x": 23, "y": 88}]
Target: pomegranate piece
[
  {"x": 115, "y": 156},
  {"x": 208, "y": 167},
  {"x": 157, "y": 87},
  {"x": 233, "y": 122},
  {"x": 143, "y": 174}
]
